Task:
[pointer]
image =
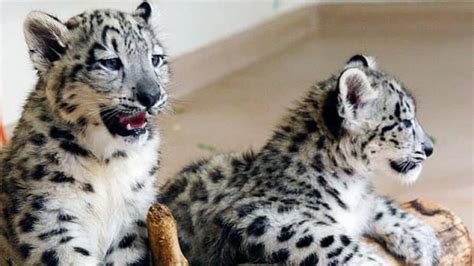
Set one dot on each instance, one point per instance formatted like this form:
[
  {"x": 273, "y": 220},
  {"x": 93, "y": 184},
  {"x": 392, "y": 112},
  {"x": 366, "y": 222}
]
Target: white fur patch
[{"x": 105, "y": 214}]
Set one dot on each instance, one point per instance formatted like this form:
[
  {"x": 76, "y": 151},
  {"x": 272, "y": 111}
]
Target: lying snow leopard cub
[
  {"x": 306, "y": 197},
  {"x": 78, "y": 175}
]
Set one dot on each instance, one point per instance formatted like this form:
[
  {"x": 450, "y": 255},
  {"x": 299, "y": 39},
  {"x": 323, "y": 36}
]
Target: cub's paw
[{"x": 420, "y": 246}]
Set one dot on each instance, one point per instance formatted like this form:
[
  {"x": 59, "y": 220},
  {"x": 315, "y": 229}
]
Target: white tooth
[{"x": 129, "y": 127}]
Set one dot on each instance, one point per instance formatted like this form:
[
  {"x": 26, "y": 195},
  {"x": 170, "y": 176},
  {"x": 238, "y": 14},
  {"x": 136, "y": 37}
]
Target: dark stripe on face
[
  {"x": 114, "y": 45},
  {"x": 397, "y": 110},
  {"x": 392, "y": 87},
  {"x": 388, "y": 128},
  {"x": 407, "y": 105},
  {"x": 91, "y": 58},
  {"x": 105, "y": 30}
]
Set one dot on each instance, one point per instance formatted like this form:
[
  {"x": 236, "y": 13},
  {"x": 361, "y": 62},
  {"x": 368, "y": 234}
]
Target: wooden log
[
  {"x": 449, "y": 228},
  {"x": 163, "y": 237}
]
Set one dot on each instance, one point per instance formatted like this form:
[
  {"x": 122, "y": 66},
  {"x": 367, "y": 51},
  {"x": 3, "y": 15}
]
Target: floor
[{"x": 239, "y": 111}]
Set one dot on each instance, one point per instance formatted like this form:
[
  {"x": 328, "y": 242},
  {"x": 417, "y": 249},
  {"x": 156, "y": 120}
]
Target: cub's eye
[
  {"x": 111, "y": 63},
  {"x": 407, "y": 122},
  {"x": 157, "y": 60}
]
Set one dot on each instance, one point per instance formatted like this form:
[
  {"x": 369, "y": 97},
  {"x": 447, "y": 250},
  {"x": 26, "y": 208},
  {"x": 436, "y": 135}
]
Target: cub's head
[
  {"x": 379, "y": 113},
  {"x": 102, "y": 68}
]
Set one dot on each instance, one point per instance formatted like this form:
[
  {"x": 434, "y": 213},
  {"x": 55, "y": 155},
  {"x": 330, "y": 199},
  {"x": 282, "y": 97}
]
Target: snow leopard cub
[
  {"x": 306, "y": 197},
  {"x": 79, "y": 173}
]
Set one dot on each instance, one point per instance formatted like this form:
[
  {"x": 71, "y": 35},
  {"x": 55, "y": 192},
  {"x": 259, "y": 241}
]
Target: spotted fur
[
  {"x": 75, "y": 183},
  {"x": 306, "y": 197}
]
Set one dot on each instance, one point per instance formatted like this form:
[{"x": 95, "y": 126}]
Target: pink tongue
[
  {"x": 134, "y": 121},
  {"x": 138, "y": 120}
]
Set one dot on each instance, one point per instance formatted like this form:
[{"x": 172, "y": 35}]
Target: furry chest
[
  {"x": 355, "y": 217},
  {"x": 349, "y": 200},
  {"x": 354, "y": 220},
  {"x": 119, "y": 195}
]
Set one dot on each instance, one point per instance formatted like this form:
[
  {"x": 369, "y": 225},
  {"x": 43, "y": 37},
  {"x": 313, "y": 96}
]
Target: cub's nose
[
  {"x": 148, "y": 99},
  {"x": 428, "y": 150},
  {"x": 428, "y": 146}
]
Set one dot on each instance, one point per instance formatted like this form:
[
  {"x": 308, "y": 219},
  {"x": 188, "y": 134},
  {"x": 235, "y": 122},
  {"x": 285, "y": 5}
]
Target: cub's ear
[
  {"x": 361, "y": 61},
  {"x": 45, "y": 36},
  {"x": 355, "y": 92},
  {"x": 143, "y": 11}
]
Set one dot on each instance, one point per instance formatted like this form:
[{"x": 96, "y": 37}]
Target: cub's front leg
[{"x": 404, "y": 234}]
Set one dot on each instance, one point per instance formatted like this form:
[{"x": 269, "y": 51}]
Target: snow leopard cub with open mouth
[{"x": 79, "y": 173}]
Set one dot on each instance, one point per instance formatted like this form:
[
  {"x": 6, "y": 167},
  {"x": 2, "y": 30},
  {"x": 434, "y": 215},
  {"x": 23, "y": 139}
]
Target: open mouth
[
  {"x": 124, "y": 124},
  {"x": 403, "y": 167}
]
